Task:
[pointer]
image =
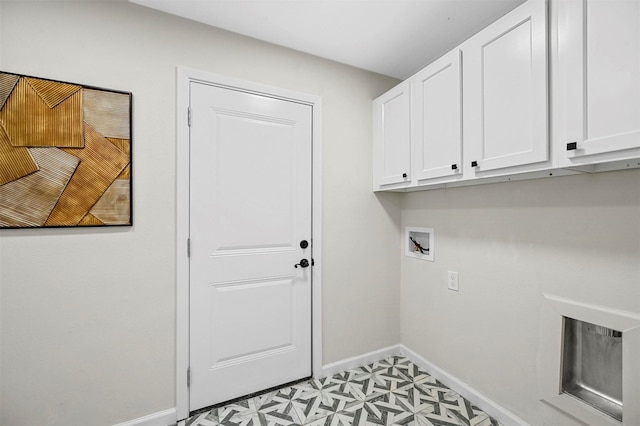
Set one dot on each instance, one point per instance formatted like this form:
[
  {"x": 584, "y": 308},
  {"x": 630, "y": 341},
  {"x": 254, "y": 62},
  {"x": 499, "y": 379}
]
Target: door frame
[{"x": 186, "y": 76}]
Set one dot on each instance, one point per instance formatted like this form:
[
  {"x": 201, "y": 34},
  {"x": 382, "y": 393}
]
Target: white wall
[
  {"x": 88, "y": 315},
  {"x": 576, "y": 237}
]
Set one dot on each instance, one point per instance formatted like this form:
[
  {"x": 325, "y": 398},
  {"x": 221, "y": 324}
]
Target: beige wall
[
  {"x": 575, "y": 237},
  {"x": 88, "y": 315}
]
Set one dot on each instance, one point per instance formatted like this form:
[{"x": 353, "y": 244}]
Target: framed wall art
[{"x": 65, "y": 154}]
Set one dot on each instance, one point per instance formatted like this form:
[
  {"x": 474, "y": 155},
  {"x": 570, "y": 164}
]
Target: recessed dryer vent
[
  {"x": 419, "y": 243},
  {"x": 592, "y": 365}
]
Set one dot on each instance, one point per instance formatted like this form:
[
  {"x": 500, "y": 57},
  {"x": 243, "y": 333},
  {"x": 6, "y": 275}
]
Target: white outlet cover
[{"x": 452, "y": 281}]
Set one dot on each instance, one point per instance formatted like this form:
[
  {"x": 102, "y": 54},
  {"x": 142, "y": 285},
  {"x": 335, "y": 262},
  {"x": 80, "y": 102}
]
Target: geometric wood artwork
[
  {"x": 100, "y": 164},
  {"x": 7, "y": 83},
  {"x": 113, "y": 206},
  {"x": 126, "y": 173},
  {"x": 40, "y": 190},
  {"x": 65, "y": 154},
  {"x": 122, "y": 144},
  {"x": 107, "y": 113},
  {"x": 32, "y": 118},
  {"x": 90, "y": 220},
  {"x": 51, "y": 92},
  {"x": 16, "y": 162}
]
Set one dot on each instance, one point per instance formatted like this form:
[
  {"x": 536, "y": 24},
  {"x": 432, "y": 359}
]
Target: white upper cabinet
[
  {"x": 505, "y": 91},
  {"x": 599, "y": 61},
  {"x": 481, "y": 113},
  {"x": 436, "y": 110},
  {"x": 391, "y": 138}
]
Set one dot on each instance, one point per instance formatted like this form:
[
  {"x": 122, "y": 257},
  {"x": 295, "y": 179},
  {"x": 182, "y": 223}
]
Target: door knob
[
  {"x": 304, "y": 244},
  {"x": 303, "y": 263}
]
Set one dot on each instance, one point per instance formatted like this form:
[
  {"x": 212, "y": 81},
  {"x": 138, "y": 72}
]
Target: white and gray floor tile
[{"x": 393, "y": 391}]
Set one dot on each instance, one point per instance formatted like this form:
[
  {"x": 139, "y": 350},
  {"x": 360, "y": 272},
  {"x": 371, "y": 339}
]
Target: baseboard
[
  {"x": 357, "y": 361},
  {"x": 490, "y": 407},
  {"x": 161, "y": 418}
]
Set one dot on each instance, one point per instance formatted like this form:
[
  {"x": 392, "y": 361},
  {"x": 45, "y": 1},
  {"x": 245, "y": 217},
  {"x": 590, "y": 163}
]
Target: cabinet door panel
[
  {"x": 392, "y": 150},
  {"x": 600, "y": 63},
  {"x": 437, "y": 118},
  {"x": 505, "y": 72}
]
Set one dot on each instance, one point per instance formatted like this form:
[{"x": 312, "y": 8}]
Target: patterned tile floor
[{"x": 393, "y": 391}]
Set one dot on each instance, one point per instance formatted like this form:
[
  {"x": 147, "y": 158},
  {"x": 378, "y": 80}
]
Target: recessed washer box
[
  {"x": 419, "y": 242},
  {"x": 589, "y": 361},
  {"x": 592, "y": 365}
]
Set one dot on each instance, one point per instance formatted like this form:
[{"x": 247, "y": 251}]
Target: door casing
[{"x": 184, "y": 78}]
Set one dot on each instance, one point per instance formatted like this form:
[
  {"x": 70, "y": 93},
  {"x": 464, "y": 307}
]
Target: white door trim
[{"x": 184, "y": 78}]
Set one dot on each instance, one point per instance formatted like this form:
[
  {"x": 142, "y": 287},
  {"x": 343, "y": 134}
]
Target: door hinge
[
  {"x": 189, "y": 116},
  {"x": 189, "y": 377},
  {"x": 188, "y": 247}
]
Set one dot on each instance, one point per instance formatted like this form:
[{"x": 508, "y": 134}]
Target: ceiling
[{"x": 390, "y": 37}]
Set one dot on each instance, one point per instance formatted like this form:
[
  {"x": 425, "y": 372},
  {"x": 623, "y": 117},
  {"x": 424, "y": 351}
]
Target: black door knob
[
  {"x": 303, "y": 263},
  {"x": 304, "y": 244}
]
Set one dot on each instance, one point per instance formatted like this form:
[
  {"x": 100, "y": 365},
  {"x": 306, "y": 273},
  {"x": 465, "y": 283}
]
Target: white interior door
[{"x": 250, "y": 208}]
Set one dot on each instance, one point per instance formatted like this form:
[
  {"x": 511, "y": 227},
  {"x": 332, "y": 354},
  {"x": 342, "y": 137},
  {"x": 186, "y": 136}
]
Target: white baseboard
[
  {"x": 161, "y": 418},
  {"x": 490, "y": 407},
  {"x": 357, "y": 361}
]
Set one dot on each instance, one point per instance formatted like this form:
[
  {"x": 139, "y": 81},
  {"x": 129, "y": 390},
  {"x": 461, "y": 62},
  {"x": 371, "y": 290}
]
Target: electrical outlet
[{"x": 452, "y": 280}]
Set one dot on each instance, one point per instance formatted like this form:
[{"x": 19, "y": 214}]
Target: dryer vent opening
[{"x": 592, "y": 365}]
